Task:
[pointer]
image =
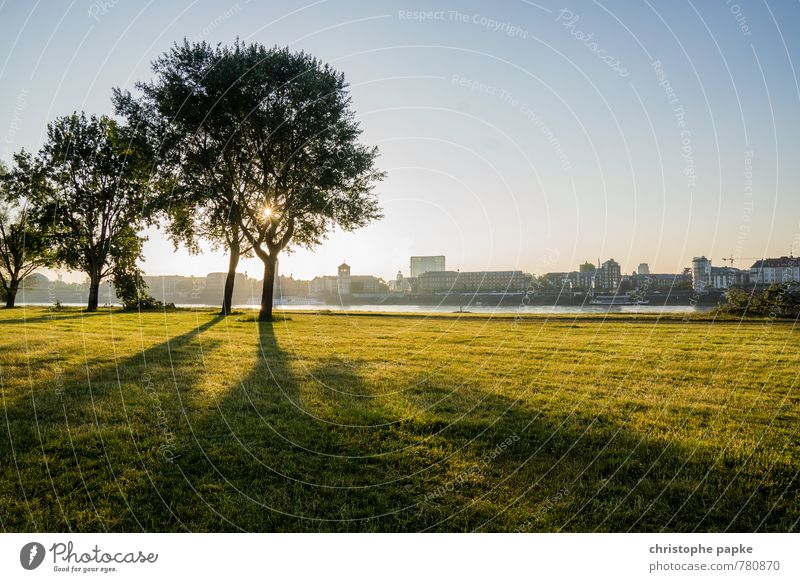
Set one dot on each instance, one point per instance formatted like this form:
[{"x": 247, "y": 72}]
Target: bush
[
  {"x": 778, "y": 300},
  {"x": 132, "y": 290}
]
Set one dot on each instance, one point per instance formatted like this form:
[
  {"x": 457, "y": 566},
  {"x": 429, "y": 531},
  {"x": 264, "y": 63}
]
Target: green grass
[{"x": 322, "y": 422}]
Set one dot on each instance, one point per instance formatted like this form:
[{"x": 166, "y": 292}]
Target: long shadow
[
  {"x": 283, "y": 451},
  {"x": 290, "y": 450},
  {"x": 249, "y": 443},
  {"x": 69, "y": 464},
  {"x": 55, "y": 316},
  {"x": 581, "y": 472}
]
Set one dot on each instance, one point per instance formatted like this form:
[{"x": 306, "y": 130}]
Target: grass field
[{"x": 323, "y": 422}]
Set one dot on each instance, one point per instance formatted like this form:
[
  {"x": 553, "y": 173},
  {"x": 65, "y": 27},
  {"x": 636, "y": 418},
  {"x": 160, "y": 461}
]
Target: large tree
[
  {"x": 98, "y": 195},
  {"x": 180, "y": 114},
  {"x": 23, "y": 244},
  {"x": 277, "y": 138}
]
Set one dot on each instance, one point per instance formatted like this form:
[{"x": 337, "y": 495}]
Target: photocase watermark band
[{"x": 569, "y": 21}]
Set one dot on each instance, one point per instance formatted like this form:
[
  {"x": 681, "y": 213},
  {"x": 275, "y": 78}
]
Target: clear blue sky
[{"x": 512, "y": 139}]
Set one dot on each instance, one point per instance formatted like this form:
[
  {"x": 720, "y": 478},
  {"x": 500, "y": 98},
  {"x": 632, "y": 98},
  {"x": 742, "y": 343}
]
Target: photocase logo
[{"x": 31, "y": 555}]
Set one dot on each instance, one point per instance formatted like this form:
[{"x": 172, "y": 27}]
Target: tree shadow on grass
[
  {"x": 293, "y": 449},
  {"x": 49, "y": 317},
  {"x": 78, "y": 449},
  {"x": 322, "y": 447},
  {"x": 584, "y": 472}
]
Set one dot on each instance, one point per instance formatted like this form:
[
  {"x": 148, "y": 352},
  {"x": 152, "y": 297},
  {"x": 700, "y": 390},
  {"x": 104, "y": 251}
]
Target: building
[
  {"x": 780, "y": 270},
  {"x": 401, "y": 284},
  {"x": 346, "y": 285},
  {"x": 177, "y": 288},
  {"x": 584, "y": 280},
  {"x": 643, "y": 269},
  {"x": 291, "y": 287},
  {"x": 325, "y": 285},
  {"x": 343, "y": 280},
  {"x": 574, "y": 281},
  {"x": 421, "y": 265},
  {"x": 726, "y": 277},
  {"x": 557, "y": 280},
  {"x": 367, "y": 285},
  {"x": 473, "y": 282},
  {"x": 706, "y": 276},
  {"x": 609, "y": 275},
  {"x": 701, "y": 273},
  {"x": 214, "y": 289},
  {"x": 662, "y": 282}
]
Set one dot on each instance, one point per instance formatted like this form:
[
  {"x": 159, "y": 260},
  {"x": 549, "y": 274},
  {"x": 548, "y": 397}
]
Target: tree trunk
[
  {"x": 233, "y": 262},
  {"x": 94, "y": 291},
  {"x": 267, "y": 290},
  {"x": 11, "y": 296}
]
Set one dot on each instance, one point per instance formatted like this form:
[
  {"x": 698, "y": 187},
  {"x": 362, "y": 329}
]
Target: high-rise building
[
  {"x": 701, "y": 273},
  {"x": 421, "y": 265},
  {"x": 609, "y": 275},
  {"x": 644, "y": 269}
]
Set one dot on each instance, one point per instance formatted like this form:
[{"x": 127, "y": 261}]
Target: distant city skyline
[
  {"x": 516, "y": 136},
  {"x": 643, "y": 269}
]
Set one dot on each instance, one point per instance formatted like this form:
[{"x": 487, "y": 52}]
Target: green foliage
[
  {"x": 779, "y": 300},
  {"x": 96, "y": 194},
  {"x": 241, "y": 129},
  {"x": 24, "y": 244},
  {"x": 126, "y": 275}
]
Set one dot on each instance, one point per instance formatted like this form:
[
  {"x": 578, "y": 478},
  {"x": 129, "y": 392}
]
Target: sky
[{"x": 515, "y": 135}]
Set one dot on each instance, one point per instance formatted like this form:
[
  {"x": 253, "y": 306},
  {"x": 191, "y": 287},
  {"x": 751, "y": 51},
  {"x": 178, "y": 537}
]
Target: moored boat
[{"x": 617, "y": 300}]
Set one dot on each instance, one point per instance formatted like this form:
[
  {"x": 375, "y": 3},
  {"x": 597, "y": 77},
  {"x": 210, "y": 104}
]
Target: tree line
[{"x": 255, "y": 151}]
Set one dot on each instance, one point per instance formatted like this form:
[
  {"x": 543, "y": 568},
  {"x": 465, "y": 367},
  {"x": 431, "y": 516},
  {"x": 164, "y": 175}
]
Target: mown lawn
[{"x": 323, "y": 422}]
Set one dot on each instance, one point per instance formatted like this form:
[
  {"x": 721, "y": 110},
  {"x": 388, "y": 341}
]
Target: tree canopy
[
  {"x": 96, "y": 195},
  {"x": 23, "y": 243},
  {"x": 267, "y": 145}
]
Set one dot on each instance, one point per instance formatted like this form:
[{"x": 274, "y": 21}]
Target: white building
[
  {"x": 780, "y": 270},
  {"x": 701, "y": 273},
  {"x": 400, "y": 284},
  {"x": 726, "y": 277}
]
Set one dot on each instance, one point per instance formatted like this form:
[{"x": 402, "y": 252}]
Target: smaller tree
[
  {"x": 23, "y": 244},
  {"x": 98, "y": 194}
]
